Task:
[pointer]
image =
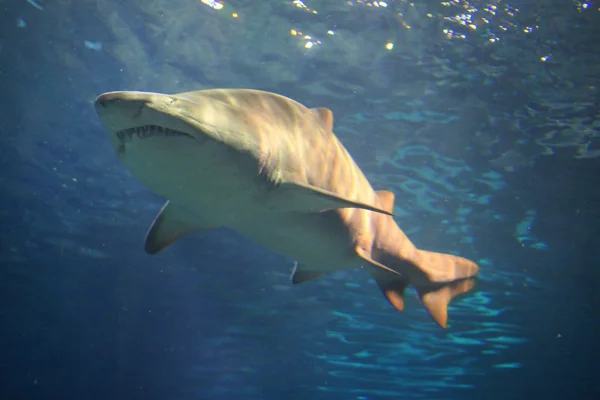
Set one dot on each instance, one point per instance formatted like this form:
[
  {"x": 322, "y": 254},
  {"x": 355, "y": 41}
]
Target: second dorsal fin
[{"x": 386, "y": 199}]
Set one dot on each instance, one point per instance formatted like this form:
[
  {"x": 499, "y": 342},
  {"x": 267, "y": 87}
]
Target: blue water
[{"x": 482, "y": 117}]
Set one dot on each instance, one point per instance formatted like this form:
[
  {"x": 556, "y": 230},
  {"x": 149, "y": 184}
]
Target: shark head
[
  {"x": 168, "y": 141},
  {"x": 194, "y": 147},
  {"x": 202, "y": 115},
  {"x": 128, "y": 116}
]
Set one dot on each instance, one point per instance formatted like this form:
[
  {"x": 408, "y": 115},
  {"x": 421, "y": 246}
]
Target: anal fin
[
  {"x": 171, "y": 223},
  {"x": 391, "y": 285}
]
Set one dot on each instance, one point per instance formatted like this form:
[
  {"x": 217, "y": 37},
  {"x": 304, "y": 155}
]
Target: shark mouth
[{"x": 147, "y": 131}]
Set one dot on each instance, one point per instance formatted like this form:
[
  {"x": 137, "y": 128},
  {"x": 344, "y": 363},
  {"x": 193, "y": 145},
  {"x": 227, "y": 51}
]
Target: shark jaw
[
  {"x": 133, "y": 116},
  {"x": 146, "y": 139},
  {"x": 163, "y": 144},
  {"x": 156, "y": 142}
]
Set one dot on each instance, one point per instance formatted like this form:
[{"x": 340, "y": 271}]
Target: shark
[{"x": 272, "y": 169}]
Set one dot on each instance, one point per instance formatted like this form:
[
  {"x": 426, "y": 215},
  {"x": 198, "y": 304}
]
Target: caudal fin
[
  {"x": 436, "y": 299},
  {"x": 438, "y": 279},
  {"x": 447, "y": 276}
]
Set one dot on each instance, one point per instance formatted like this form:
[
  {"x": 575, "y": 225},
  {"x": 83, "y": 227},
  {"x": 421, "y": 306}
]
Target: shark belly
[
  {"x": 222, "y": 189},
  {"x": 199, "y": 175},
  {"x": 318, "y": 241}
]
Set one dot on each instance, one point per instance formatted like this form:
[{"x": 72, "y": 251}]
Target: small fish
[
  {"x": 36, "y": 4},
  {"x": 96, "y": 46}
]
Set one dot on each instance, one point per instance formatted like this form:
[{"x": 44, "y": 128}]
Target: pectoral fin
[
  {"x": 367, "y": 258},
  {"x": 171, "y": 223},
  {"x": 301, "y": 275},
  {"x": 307, "y": 198}
]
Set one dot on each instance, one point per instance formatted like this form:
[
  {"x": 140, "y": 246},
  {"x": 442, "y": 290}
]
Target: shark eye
[{"x": 171, "y": 100}]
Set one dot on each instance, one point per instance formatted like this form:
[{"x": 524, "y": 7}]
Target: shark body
[{"x": 272, "y": 169}]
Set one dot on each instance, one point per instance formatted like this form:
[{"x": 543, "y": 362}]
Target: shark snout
[
  {"x": 118, "y": 103},
  {"x": 106, "y": 99}
]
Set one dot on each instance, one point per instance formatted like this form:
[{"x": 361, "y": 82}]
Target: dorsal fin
[
  {"x": 325, "y": 116},
  {"x": 386, "y": 199}
]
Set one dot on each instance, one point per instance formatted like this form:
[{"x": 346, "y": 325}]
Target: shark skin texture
[{"x": 272, "y": 169}]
